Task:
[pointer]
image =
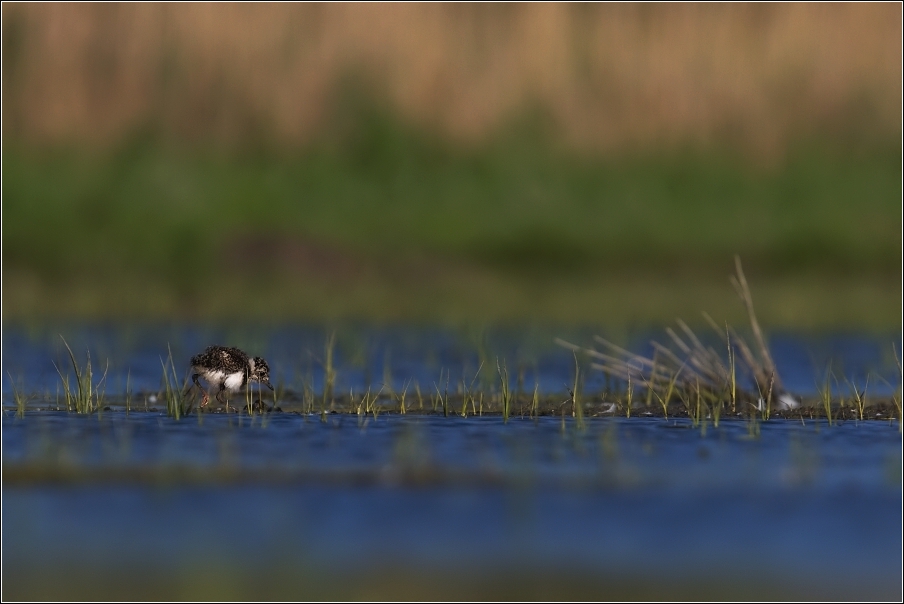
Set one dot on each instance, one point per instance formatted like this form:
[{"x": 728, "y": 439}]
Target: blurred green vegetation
[
  {"x": 305, "y": 580},
  {"x": 381, "y": 221}
]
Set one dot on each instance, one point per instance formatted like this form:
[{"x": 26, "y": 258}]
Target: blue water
[{"x": 790, "y": 503}]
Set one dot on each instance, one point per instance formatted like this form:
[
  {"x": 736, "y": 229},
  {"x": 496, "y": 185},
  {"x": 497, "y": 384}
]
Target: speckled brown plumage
[{"x": 229, "y": 369}]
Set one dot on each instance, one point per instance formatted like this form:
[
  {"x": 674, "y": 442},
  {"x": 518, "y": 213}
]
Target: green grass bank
[{"x": 385, "y": 223}]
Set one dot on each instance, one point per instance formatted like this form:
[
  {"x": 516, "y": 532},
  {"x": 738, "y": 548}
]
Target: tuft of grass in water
[
  {"x": 764, "y": 403},
  {"x": 402, "y": 397},
  {"x": 442, "y": 397},
  {"x": 374, "y": 407},
  {"x": 764, "y": 365},
  {"x": 732, "y": 374},
  {"x": 368, "y": 403},
  {"x": 669, "y": 391},
  {"x": 685, "y": 397},
  {"x": 699, "y": 367},
  {"x": 420, "y": 397},
  {"x": 505, "y": 393},
  {"x": 577, "y": 409},
  {"x": 359, "y": 408},
  {"x": 535, "y": 402},
  {"x": 19, "y": 397},
  {"x": 702, "y": 411},
  {"x": 858, "y": 397},
  {"x": 698, "y": 411},
  {"x": 87, "y": 398},
  {"x": 468, "y": 393},
  {"x": 825, "y": 393},
  {"x": 178, "y": 403},
  {"x": 307, "y": 397},
  {"x": 629, "y": 398}
]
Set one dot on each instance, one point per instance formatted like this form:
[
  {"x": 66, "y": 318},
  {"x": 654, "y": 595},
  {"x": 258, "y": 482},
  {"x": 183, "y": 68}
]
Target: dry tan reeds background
[{"x": 609, "y": 76}]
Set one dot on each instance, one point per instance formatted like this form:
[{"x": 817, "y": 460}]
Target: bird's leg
[
  {"x": 205, "y": 396},
  {"x": 220, "y": 393}
]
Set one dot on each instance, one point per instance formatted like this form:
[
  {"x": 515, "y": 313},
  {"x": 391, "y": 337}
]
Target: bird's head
[{"x": 260, "y": 372}]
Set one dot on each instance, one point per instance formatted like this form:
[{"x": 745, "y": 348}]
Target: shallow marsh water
[
  {"x": 288, "y": 505},
  {"x": 368, "y": 356}
]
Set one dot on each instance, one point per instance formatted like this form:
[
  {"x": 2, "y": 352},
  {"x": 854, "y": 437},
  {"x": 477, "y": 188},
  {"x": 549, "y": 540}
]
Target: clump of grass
[
  {"x": 764, "y": 402},
  {"x": 696, "y": 408},
  {"x": 178, "y": 403},
  {"x": 374, "y": 406},
  {"x": 717, "y": 410},
  {"x": 420, "y": 397},
  {"x": 577, "y": 409},
  {"x": 19, "y": 397},
  {"x": 686, "y": 362},
  {"x": 858, "y": 397},
  {"x": 87, "y": 397},
  {"x": 629, "y": 397},
  {"x": 505, "y": 393},
  {"x": 368, "y": 403},
  {"x": 535, "y": 402},
  {"x": 468, "y": 393},
  {"x": 825, "y": 393},
  {"x": 307, "y": 396},
  {"x": 732, "y": 374},
  {"x": 442, "y": 397},
  {"x": 669, "y": 391},
  {"x": 404, "y": 392},
  {"x": 462, "y": 392}
]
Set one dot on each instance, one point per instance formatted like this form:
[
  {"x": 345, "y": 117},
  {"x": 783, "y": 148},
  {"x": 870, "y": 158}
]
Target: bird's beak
[{"x": 269, "y": 385}]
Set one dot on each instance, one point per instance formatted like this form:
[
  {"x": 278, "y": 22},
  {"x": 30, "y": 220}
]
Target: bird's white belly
[
  {"x": 230, "y": 381},
  {"x": 233, "y": 381}
]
